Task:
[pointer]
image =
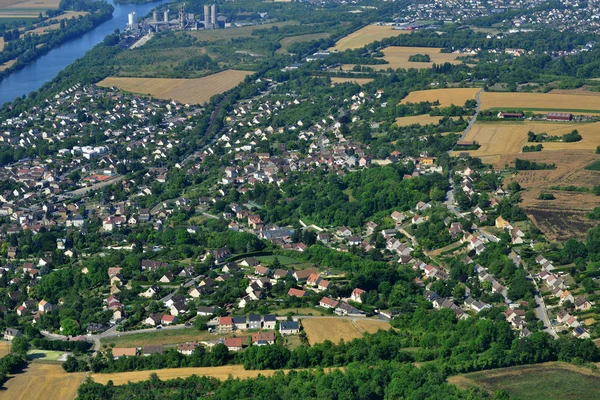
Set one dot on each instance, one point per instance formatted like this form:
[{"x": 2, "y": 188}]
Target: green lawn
[
  {"x": 45, "y": 355},
  {"x": 595, "y": 166},
  {"x": 556, "y": 381},
  {"x": 163, "y": 337},
  {"x": 284, "y": 260}
]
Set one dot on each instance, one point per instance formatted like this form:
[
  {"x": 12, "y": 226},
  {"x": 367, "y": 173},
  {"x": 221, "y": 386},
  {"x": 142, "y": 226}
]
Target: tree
[
  {"x": 19, "y": 345},
  {"x": 68, "y": 327}
]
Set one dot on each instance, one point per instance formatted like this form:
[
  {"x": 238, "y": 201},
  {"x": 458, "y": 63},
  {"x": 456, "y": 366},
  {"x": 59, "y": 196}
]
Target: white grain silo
[
  {"x": 166, "y": 14},
  {"x": 131, "y": 19},
  {"x": 213, "y": 14}
]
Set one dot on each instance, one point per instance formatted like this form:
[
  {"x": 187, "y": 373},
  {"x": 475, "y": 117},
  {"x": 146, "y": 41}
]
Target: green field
[
  {"x": 287, "y": 41},
  {"x": 595, "y": 166},
  {"x": 162, "y": 336},
  {"x": 44, "y": 355},
  {"x": 556, "y": 381},
  {"x": 284, "y": 260},
  {"x": 214, "y": 35}
]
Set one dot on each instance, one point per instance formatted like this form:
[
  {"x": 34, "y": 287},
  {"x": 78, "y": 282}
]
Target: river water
[{"x": 45, "y": 68}]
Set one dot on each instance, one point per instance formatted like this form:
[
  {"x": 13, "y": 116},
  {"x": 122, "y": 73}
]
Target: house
[
  {"x": 455, "y": 229},
  {"x": 476, "y": 305},
  {"x": 233, "y": 344},
  {"x": 152, "y": 349},
  {"x": 269, "y": 321},
  {"x": 22, "y": 310},
  {"x": 261, "y": 270},
  {"x": 263, "y": 338},
  {"x": 118, "y": 352},
  {"x": 565, "y": 296},
  {"x": 346, "y": 309},
  {"x": 371, "y": 226},
  {"x": 356, "y": 295},
  {"x": 93, "y": 328},
  {"x": 221, "y": 254},
  {"x": 302, "y": 276},
  {"x": 323, "y": 285},
  {"x": 153, "y": 319},
  {"x": 178, "y": 308},
  {"x": 254, "y": 321},
  {"x": 289, "y": 327},
  {"x": 152, "y": 265},
  {"x": 581, "y": 333},
  {"x": 240, "y": 323},
  {"x": 225, "y": 324},
  {"x": 501, "y": 223},
  {"x": 313, "y": 279},
  {"x": 186, "y": 348},
  {"x": 582, "y": 304},
  {"x": 281, "y": 274},
  {"x": 207, "y": 311},
  {"x": 151, "y": 291},
  {"x": 44, "y": 306},
  {"x": 250, "y": 262},
  {"x": 168, "y": 319},
  {"x": 398, "y": 217},
  {"x": 297, "y": 292},
  {"x": 11, "y": 333},
  {"x": 327, "y": 302},
  {"x": 167, "y": 278}
]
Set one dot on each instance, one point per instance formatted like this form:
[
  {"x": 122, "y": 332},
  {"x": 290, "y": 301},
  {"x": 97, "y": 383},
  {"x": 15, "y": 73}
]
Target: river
[{"x": 45, "y": 68}]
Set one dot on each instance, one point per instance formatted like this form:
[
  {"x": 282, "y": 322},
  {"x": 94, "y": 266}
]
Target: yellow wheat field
[
  {"x": 38, "y": 4},
  {"x": 331, "y": 328},
  {"x": 359, "y": 81},
  {"x": 397, "y": 57},
  {"x": 418, "y": 119},
  {"x": 41, "y": 382},
  {"x": 366, "y": 35},
  {"x": 499, "y": 139},
  {"x": 446, "y": 97},
  {"x": 190, "y": 91},
  {"x": 537, "y": 101}
]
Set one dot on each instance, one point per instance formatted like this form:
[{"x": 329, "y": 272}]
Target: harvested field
[
  {"x": 287, "y": 41},
  {"x": 446, "y": 97},
  {"x": 45, "y": 29},
  {"x": 331, "y": 328},
  {"x": 193, "y": 91},
  {"x": 42, "y": 381},
  {"x": 1, "y": 43},
  {"x": 45, "y": 4},
  {"x": 7, "y": 65},
  {"x": 397, "y": 57},
  {"x": 419, "y": 119},
  {"x": 498, "y": 139},
  {"x": 366, "y": 35},
  {"x": 557, "y": 381},
  {"x": 4, "y": 348},
  {"x": 575, "y": 102},
  {"x": 359, "y": 81}
]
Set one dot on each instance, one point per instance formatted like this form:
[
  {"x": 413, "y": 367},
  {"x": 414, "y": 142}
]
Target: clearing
[
  {"x": 575, "y": 103},
  {"x": 446, "y": 97},
  {"x": 7, "y": 65},
  {"x": 358, "y": 81},
  {"x": 164, "y": 336},
  {"x": 331, "y": 328},
  {"x": 213, "y": 35},
  {"x": 287, "y": 41},
  {"x": 4, "y": 348},
  {"x": 366, "y": 35},
  {"x": 557, "y": 381},
  {"x": 187, "y": 91},
  {"x": 39, "y": 381}
]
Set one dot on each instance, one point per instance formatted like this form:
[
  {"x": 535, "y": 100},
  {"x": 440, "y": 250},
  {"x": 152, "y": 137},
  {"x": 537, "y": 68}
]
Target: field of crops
[
  {"x": 366, "y": 35},
  {"x": 165, "y": 336},
  {"x": 42, "y": 382},
  {"x": 56, "y": 25},
  {"x": 17, "y": 9},
  {"x": 4, "y": 348},
  {"x": 397, "y": 57},
  {"x": 360, "y": 81},
  {"x": 557, "y": 381},
  {"x": 418, "y": 119},
  {"x": 575, "y": 102},
  {"x": 331, "y": 328},
  {"x": 187, "y": 91},
  {"x": 446, "y": 97}
]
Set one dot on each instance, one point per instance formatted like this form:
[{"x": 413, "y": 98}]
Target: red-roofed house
[
  {"x": 233, "y": 344},
  {"x": 297, "y": 292},
  {"x": 356, "y": 294},
  {"x": 225, "y": 324}
]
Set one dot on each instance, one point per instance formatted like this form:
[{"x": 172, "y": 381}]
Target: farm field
[
  {"x": 298, "y": 311},
  {"x": 45, "y": 29},
  {"x": 561, "y": 381},
  {"x": 38, "y": 381},
  {"x": 194, "y": 91},
  {"x": 162, "y": 337},
  {"x": 575, "y": 102},
  {"x": 232, "y": 33},
  {"x": 331, "y": 328},
  {"x": 397, "y": 57},
  {"x": 287, "y": 41},
  {"x": 222, "y": 373},
  {"x": 366, "y": 35},
  {"x": 7, "y": 65},
  {"x": 4, "y": 348},
  {"x": 23, "y": 9},
  {"x": 498, "y": 139},
  {"x": 419, "y": 119},
  {"x": 446, "y": 97},
  {"x": 359, "y": 81}
]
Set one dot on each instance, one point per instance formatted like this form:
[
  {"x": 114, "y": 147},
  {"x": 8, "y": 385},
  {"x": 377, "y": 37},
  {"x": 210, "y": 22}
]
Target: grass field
[
  {"x": 556, "y": 381},
  {"x": 366, "y": 35},
  {"x": 446, "y": 97},
  {"x": 299, "y": 311},
  {"x": 576, "y": 102},
  {"x": 45, "y": 355},
  {"x": 287, "y": 41},
  {"x": 213, "y": 35},
  {"x": 4, "y": 348},
  {"x": 331, "y": 328},
  {"x": 359, "y": 81},
  {"x": 42, "y": 382},
  {"x": 162, "y": 337},
  {"x": 194, "y": 91},
  {"x": 595, "y": 166}
]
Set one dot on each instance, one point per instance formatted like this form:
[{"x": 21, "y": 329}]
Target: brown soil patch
[{"x": 42, "y": 382}]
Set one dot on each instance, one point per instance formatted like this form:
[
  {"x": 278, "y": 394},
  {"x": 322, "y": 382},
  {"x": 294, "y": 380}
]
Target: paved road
[{"x": 474, "y": 117}]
